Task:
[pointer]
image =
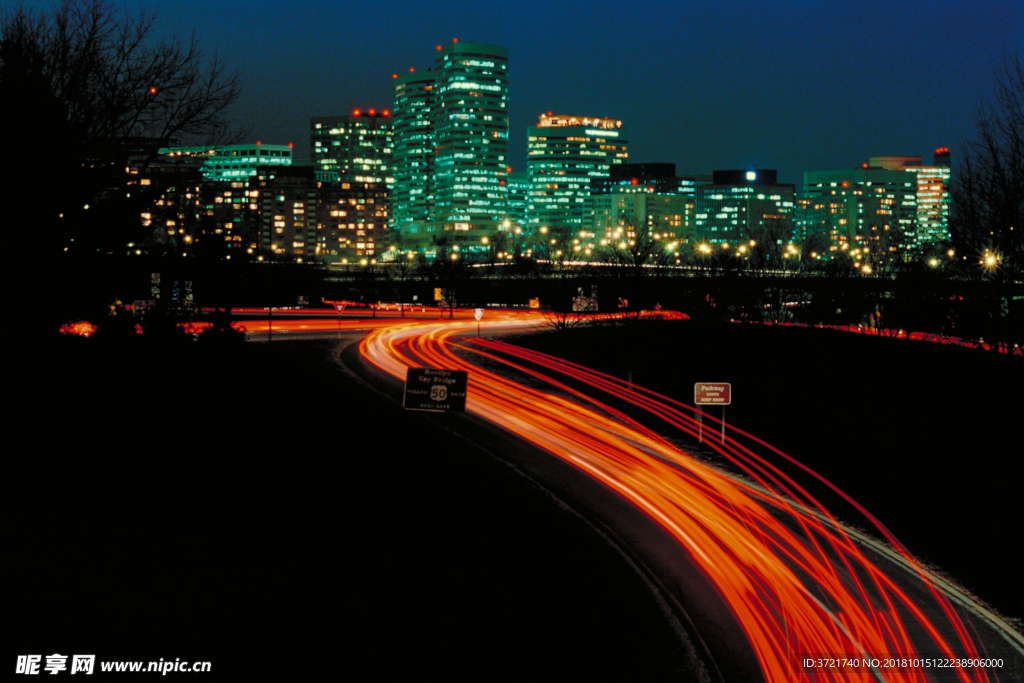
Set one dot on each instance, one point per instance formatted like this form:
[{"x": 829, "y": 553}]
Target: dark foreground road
[
  {"x": 255, "y": 507},
  {"x": 258, "y": 509}
]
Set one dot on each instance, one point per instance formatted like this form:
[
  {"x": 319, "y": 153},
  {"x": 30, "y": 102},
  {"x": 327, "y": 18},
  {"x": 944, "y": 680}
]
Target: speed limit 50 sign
[{"x": 436, "y": 390}]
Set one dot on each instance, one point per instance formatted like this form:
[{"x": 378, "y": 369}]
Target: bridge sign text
[{"x": 436, "y": 390}]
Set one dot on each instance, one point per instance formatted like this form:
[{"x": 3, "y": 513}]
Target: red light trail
[{"x": 795, "y": 579}]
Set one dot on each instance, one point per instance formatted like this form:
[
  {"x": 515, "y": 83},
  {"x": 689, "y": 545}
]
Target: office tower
[
  {"x": 932, "y": 190},
  {"x": 352, "y": 221},
  {"x": 640, "y": 197},
  {"x": 451, "y": 148},
  {"x": 412, "y": 193},
  {"x": 356, "y": 147},
  {"x": 872, "y": 207},
  {"x": 740, "y": 206},
  {"x": 564, "y": 154},
  {"x": 288, "y": 209},
  {"x": 518, "y": 198}
]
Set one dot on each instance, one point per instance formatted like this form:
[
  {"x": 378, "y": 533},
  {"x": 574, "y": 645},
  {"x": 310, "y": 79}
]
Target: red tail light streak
[{"x": 795, "y": 579}]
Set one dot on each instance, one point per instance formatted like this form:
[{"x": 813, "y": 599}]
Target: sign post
[
  {"x": 339, "y": 308},
  {"x": 439, "y": 297},
  {"x": 478, "y": 313},
  {"x": 714, "y": 394},
  {"x": 435, "y": 390}
]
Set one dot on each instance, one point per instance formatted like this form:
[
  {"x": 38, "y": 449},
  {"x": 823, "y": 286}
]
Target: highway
[{"x": 814, "y": 600}]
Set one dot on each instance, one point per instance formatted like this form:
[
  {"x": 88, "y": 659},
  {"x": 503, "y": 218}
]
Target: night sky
[{"x": 707, "y": 85}]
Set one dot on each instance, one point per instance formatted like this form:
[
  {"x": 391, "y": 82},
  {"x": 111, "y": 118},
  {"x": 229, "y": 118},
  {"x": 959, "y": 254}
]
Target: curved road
[{"x": 767, "y": 580}]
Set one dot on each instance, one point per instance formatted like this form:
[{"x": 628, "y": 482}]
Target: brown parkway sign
[{"x": 712, "y": 393}]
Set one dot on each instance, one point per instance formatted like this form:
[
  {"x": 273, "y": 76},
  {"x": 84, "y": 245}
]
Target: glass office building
[
  {"x": 739, "y": 204},
  {"x": 357, "y": 147},
  {"x": 873, "y": 207},
  {"x": 451, "y": 148},
  {"x": 564, "y": 154}
]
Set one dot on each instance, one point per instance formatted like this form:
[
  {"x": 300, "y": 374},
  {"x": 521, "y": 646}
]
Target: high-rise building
[
  {"x": 742, "y": 205},
  {"x": 412, "y": 194},
  {"x": 932, "y": 189},
  {"x": 640, "y": 197},
  {"x": 288, "y": 210},
  {"x": 357, "y": 146},
  {"x": 451, "y": 148},
  {"x": 518, "y": 198},
  {"x": 872, "y": 208},
  {"x": 564, "y": 155},
  {"x": 352, "y": 221}
]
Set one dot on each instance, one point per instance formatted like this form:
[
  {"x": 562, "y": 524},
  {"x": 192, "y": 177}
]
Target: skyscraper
[
  {"x": 932, "y": 189},
  {"x": 357, "y": 146},
  {"x": 741, "y": 205},
  {"x": 412, "y": 195},
  {"x": 564, "y": 154},
  {"x": 640, "y": 197},
  {"x": 872, "y": 208},
  {"x": 451, "y": 148}
]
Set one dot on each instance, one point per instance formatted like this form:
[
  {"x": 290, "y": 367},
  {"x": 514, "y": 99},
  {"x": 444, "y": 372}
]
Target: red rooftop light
[
  {"x": 846, "y": 183},
  {"x": 372, "y": 112},
  {"x": 152, "y": 90},
  {"x": 258, "y": 142},
  {"x": 455, "y": 40},
  {"x": 634, "y": 181},
  {"x": 865, "y": 165},
  {"x": 356, "y": 112},
  {"x": 411, "y": 70},
  {"x": 394, "y": 75},
  {"x": 386, "y": 112},
  {"x": 438, "y": 47},
  {"x": 291, "y": 144}
]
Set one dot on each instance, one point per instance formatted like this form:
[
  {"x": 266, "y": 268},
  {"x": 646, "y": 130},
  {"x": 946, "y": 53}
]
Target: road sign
[
  {"x": 435, "y": 390},
  {"x": 478, "y": 313},
  {"x": 339, "y": 307},
  {"x": 712, "y": 393}
]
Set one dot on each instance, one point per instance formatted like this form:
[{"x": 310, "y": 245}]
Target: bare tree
[
  {"x": 91, "y": 93},
  {"x": 987, "y": 187},
  {"x": 639, "y": 252}
]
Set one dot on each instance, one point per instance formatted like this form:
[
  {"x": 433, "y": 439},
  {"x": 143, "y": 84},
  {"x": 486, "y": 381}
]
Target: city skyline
[{"x": 794, "y": 86}]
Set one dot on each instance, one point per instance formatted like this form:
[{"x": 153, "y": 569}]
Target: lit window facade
[
  {"x": 740, "y": 203},
  {"x": 641, "y": 197},
  {"x": 412, "y": 195},
  {"x": 352, "y": 221},
  {"x": 451, "y": 147},
  {"x": 874, "y": 206},
  {"x": 518, "y": 198},
  {"x": 932, "y": 190},
  {"x": 288, "y": 211},
  {"x": 564, "y": 155},
  {"x": 234, "y": 162},
  {"x": 357, "y": 147}
]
